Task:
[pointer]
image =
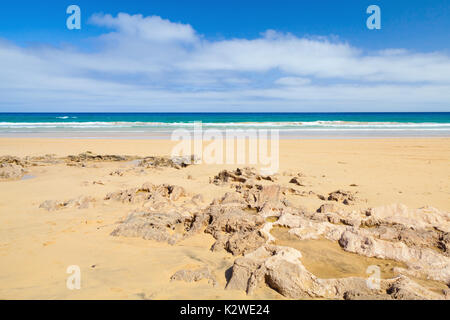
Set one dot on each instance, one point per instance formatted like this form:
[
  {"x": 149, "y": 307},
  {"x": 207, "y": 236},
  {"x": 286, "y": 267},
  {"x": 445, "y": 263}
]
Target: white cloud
[
  {"x": 153, "y": 64},
  {"x": 293, "y": 81},
  {"x": 152, "y": 28}
]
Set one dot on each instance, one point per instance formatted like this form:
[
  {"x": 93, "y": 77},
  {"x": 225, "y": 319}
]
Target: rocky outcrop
[
  {"x": 11, "y": 171},
  {"x": 81, "y": 202},
  {"x": 417, "y": 238},
  {"x": 346, "y": 197},
  {"x": 422, "y": 218},
  {"x": 235, "y": 230},
  {"x": 167, "y": 212},
  {"x": 296, "y": 181},
  {"x": 281, "y": 269},
  {"x": 420, "y": 260},
  {"x": 89, "y": 156},
  {"x": 328, "y": 207},
  {"x": 163, "y": 227},
  {"x": 195, "y": 275},
  {"x": 152, "y": 195},
  {"x": 245, "y": 175},
  {"x": 166, "y": 162}
]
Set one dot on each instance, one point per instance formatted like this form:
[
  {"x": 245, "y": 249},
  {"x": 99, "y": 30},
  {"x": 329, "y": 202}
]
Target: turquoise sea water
[{"x": 289, "y": 124}]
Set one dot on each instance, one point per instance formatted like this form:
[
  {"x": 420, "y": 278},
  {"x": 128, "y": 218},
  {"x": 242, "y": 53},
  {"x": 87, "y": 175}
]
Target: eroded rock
[
  {"x": 89, "y": 156},
  {"x": 346, "y": 197},
  {"x": 82, "y": 202},
  {"x": 163, "y": 227},
  {"x": 194, "y": 275},
  {"x": 11, "y": 171},
  {"x": 167, "y": 162},
  {"x": 245, "y": 175}
]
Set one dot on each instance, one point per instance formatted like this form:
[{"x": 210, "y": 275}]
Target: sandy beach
[{"x": 37, "y": 245}]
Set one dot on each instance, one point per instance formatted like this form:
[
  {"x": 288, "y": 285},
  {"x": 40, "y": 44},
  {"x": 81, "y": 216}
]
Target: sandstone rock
[
  {"x": 198, "y": 199},
  {"x": 50, "y": 205},
  {"x": 265, "y": 199},
  {"x": 346, "y": 197},
  {"x": 235, "y": 230},
  {"x": 305, "y": 229},
  {"x": 226, "y": 176},
  {"x": 12, "y": 160},
  {"x": 246, "y": 175},
  {"x": 11, "y": 171},
  {"x": 296, "y": 181},
  {"x": 89, "y": 156},
  {"x": 281, "y": 269},
  {"x": 423, "y": 260},
  {"x": 152, "y": 226},
  {"x": 82, "y": 202},
  {"x": 423, "y": 218},
  {"x": 328, "y": 207},
  {"x": 404, "y": 288},
  {"x": 166, "y": 162},
  {"x": 233, "y": 198},
  {"x": 157, "y": 195},
  {"x": 194, "y": 275},
  {"x": 176, "y": 192},
  {"x": 118, "y": 172}
]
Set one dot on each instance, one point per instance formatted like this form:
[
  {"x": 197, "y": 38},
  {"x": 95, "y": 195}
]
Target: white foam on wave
[{"x": 279, "y": 125}]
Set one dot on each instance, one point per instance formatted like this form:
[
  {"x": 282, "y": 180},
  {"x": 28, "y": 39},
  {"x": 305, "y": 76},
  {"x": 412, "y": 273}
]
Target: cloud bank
[{"x": 152, "y": 64}]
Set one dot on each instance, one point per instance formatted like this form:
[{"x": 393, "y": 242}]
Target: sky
[{"x": 199, "y": 55}]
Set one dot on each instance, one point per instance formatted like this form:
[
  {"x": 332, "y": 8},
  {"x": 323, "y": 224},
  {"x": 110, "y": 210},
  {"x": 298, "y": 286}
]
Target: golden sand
[{"x": 37, "y": 246}]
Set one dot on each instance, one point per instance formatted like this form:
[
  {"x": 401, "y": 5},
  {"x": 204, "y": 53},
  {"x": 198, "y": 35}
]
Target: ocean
[{"x": 160, "y": 125}]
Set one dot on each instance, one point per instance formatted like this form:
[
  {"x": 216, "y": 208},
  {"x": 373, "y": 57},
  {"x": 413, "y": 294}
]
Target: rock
[
  {"x": 328, "y": 207},
  {"x": 118, "y": 172},
  {"x": 404, "y": 288},
  {"x": 444, "y": 243},
  {"x": 296, "y": 181},
  {"x": 50, "y": 205},
  {"x": 226, "y": 176},
  {"x": 198, "y": 199},
  {"x": 265, "y": 199},
  {"x": 235, "y": 230},
  {"x": 346, "y": 197},
  {"x": 423, "y": 218},
  {"x": 82, "y": 202},
  {"x": 233, "y": 198},
  {"x": 281, "y": 269},
  {"x": 152, "y": 226},
  {"x": 357, "y": 295},
  {"x": 194, "y": 275},
  {"x": 166, "y": 162},
  {"x": 13, "y": 160},
  {"x": 11, "y": 171},
  {"x": 176, "y": 192},
  {"x": 89, "y": 156},
  {"x": 306, "y": 229},
  {"x": 419, "y": 260},
  {"x": 242, "y": 242},
  {"x": 149, "y": 194},
  {"x": 244, "y": 176}
]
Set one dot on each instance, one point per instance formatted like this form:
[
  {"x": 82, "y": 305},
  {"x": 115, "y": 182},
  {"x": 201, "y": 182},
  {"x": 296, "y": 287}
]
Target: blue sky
[{"x": 230, "y": 55}]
